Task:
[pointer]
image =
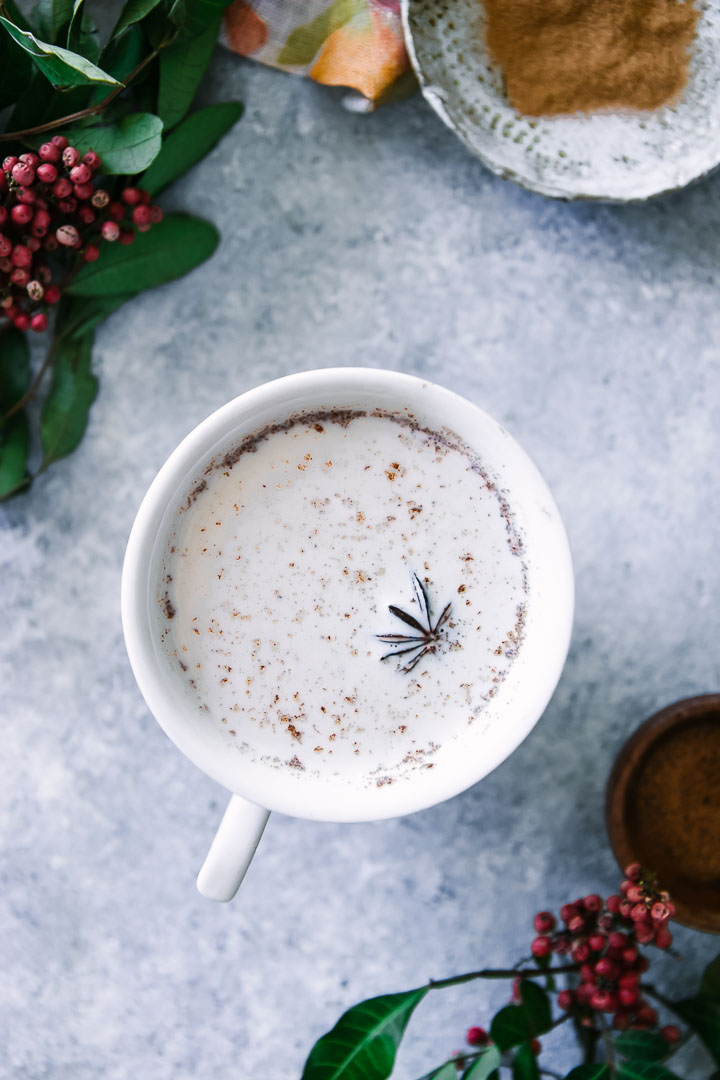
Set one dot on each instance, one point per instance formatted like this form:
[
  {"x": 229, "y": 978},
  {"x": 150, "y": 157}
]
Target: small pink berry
[
  {"x": 33, "y": 243},
  {"x": 47, "y": 173},
  {"x": 67, "y": 206},
  {"x": 30, "y": 159},
  {"x": 141, "y": 215},
  {"x": 22, "y": 321},
  {"x": 143, "y": 228},
  {"x": 6, "y": 266},
  {"x": 633, "y": 871},
  {"x": 70, "y": 157},
  {"x": 9, "y": 162},
  {"x": 86, "y": 214},
  {"x": 80, "y": 174},
  {"x": 12, "y": 311},
  {"x": 625, "y": 885},
  {"x": 593, "y": 902},
  {"x": 144, "y": 196},
  {"x": 535, "y": 1046},
  {"x": 21, "y": 255},
  {"x": 585, "y": 992},
  {"x": 587, "y": 974},
  {"x": 59, "y": 141},
  {"x": 576, "y": 924},
  {"x": 50, "y": 243},
  {"x": 50, "y": 153},
  {"x": 663, "y": 938},
  {"x": 613, "y": 904},
  {"x": 659, "y": 912},
  {"x": 126, "y": 236},
  {"x": 100, "y": 199},
  {"x": 156, "y": 216},
  {"x": 27, "y": 195},
  {"x": 476, "y": 1036},
  {"x": 597, "y": 942},
  {"x": 67, "y": 235},
  {"x": 130, "y": 196},
  {"x": 541, "y": 946},
  {"x": 635, "y": 894},
  {"x": 39, "y": 322},
  {"x": 110, "y": 231},
  {"x": 638, "y": 913},
  {"x": 83, "y": 191},
  {"x": 580, "y": 952},
  {"x": 647, "y": 1016},
  {"x": 21, "y": 214},
  {"x": 62, "y": 188},
  {"x": 627, "y": 995},
  {"x": 23, "y": 174},
  {"x": 44, "y": 273},
  {"x": 92, "y": 253},
  {"x": 20, "y": 277},
  {"x": 41, "y": 223},
  {"x": 625, "y": 909},
  {"x": 6, "y": 302},
  {"x": 92, "y": 160},
  {"x": 544, "y": 921},
  {"x": 604, "y": 1001},
  {"x": 645, "y": 932},
  {"x": 5, "y": 246},
  {"x": 606, "y": 968},
  {"x": 566, "y": 1000},
  {"x": 52, "y": 294},
  {"x": 670, "y": 1033},
  {"x": 629, "y": 956},
  {"x": 40, "y": 203},
  {"x": 117, "y": 211}
]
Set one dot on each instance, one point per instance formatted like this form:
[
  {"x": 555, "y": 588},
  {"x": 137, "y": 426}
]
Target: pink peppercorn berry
[
  {"x": 49, "y": 152},
  {"x": 59, "y": 141},
  {"x": 21, "y": 255},
  {"x": 80, "y": 174},
  {"x": 141, "y": 215},
  {"x": 127, "y": 236},
  {"x": 566, "y": 999},
  {"x": 39, "y": 322},
  {"x": 110, "y": 231},
  {"x": 92, "y": 160},
  {"x": 22, "y": 321},
  {"x": 541, "y": 946},
  {"x": 23, "y": 174},
  {"x": 131, "y": 196},
  {"x": 477, "y": 1036},
  {"x": 62, "y": 188},
  {"x": 92, "y": 252},
  {"x": 544, "y": 921},
  {"x": 633, "y": 872},
  {"x": 52, "y": 294},
  {"x": 670, "y": 1033},
  {"x": 21, "y": 214},
  {"x": 47, "y": 173},
  {"x": 70, "y": 157}
]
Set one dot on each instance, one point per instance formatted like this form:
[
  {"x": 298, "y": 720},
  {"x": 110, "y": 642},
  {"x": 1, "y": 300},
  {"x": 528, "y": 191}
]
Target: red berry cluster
[
  {"x": 602, "y": 938},
  {"x": 50, "y": 206}
]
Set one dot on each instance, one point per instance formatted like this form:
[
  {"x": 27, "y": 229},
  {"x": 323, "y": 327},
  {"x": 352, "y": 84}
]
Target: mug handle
[{"x": 232, "y": 849}]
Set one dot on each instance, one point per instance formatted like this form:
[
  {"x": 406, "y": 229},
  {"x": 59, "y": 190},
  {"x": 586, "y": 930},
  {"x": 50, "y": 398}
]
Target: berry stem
[
  {"x": 502, "y": 973},
  {"x": 32, "y": 389},
  {"x": 92, "y": 110}
]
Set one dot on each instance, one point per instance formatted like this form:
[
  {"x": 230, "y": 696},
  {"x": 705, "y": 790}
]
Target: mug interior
[{"x": 458, "y": 761}]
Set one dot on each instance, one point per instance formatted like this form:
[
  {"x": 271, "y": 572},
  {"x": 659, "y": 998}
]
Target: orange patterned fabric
[{"x": 354, "y": 43}]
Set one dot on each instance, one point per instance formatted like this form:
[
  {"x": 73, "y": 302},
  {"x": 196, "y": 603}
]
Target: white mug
[{"x": 508, "y": 717}]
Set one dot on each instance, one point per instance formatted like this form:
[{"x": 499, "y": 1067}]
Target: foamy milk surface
[{"x": 279, "y": 577}]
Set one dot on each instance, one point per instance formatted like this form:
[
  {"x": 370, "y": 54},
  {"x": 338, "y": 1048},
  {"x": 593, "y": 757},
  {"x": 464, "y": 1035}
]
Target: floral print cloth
[{"x": 354, "y": 43}]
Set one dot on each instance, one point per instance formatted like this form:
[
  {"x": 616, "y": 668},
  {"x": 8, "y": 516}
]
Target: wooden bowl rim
[{"x": 631, "y": 754}]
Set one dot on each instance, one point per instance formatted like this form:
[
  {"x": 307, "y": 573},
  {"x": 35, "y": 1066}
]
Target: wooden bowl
[{"x": 662, "y": 806}]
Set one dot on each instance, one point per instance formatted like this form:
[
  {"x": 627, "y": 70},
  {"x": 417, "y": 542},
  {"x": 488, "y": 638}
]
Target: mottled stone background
[{"x": 593, "y": 333}]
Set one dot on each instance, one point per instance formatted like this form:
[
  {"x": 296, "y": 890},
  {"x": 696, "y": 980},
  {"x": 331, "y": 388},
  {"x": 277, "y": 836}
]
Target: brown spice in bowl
[
  {"x": 566, "y": 56},
  {"x": 673, "y": 810}
]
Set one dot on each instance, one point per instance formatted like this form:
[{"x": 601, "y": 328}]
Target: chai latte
[{"x": 343, "y": 593}]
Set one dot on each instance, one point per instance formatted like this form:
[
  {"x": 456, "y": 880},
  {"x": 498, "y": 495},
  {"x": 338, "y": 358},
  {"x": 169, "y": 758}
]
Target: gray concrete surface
[{"x": 593, "y": 333}]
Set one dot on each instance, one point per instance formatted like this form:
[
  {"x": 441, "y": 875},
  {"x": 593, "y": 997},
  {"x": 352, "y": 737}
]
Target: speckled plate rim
[{"x": 434, "y": 99}]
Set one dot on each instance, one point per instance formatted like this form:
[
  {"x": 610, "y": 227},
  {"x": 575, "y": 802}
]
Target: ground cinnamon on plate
[
  {"x": 566, "y": 56},
  {"x": 674, "y": 811}
]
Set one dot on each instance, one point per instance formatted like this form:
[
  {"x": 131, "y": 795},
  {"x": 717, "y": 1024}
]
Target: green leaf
[
  {"x": 72, "y": 392},
  {"x": 50, "y": 16},
  {"x": 485, "y": 1066},
  {"x": 511, "y": 1026},
  {"x": 14, "y": 433},
  {"x": 642, "y": 1045},
  {"x": 42, "y": 103},
  {"x": 537, "y": 1004},
  {"x": 710, "y": 985},
  {"x": 194, "y": 16},
  {"x": 17, "y": 69},
  {"x": 82, "y": 36},
  {"x": 127, "y": 146},
  {"x": 363, "y": 1043},
  {"x": 167, "y": 251},
  {"x": 60, "y": 66},
  {"x": 133, "y": 12},
  {"x": 702, "y": 1013},
  {"x": 182, "y": 66},
  {"x": 594, "y": 1071},
  {"x": 447, "y": 1071},
  {"x": 524, "y": 1064},
  {"x": 304, "y": 41},
  {"x": 121, "y": 56},
  {"x": 644, "y": 1070},
  {"x": 191, "y": 140}
]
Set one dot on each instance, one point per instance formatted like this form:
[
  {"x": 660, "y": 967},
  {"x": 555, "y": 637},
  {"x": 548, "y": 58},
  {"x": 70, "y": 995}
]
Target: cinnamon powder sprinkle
[{"x": 567, "y": 56}]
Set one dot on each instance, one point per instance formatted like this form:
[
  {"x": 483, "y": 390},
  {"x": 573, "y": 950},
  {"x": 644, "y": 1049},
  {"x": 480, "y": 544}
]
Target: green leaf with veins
[
  {"x": 17, "y": 70},
  {"x": 126, "y": 147},
  {"x": 524, "y": 1064},
  {"x": 49, "y": 17},
  {"x": 169, "y": 250},
  {"x": 133, "y": 12},
  {"x": 189, "y": 142},
  {"x": 702, "y": 1013},
  {"x": 643, "y": 1070},
  {"x": 82, "y": 35},
  {"x": 60, "y": 66},
  {"x": 642, "y": 1045},
  {"x": 484, "y": 1067},
  {"x": 182, "y": 66},
  {"x": 364, "y": 1042}
]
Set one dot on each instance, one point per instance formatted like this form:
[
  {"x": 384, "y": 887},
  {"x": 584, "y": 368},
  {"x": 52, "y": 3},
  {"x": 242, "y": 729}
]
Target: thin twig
[
  {"x": 91, "y": 110},
  {"x": 502, "y": 973},
  {"x": 33, "y": 388}
]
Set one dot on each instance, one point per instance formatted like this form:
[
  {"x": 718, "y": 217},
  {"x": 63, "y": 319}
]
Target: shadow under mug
[{"x": 507, "y": 718}]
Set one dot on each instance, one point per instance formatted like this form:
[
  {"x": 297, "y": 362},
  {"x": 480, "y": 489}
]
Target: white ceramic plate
[{"x": 619, "y": 157}]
